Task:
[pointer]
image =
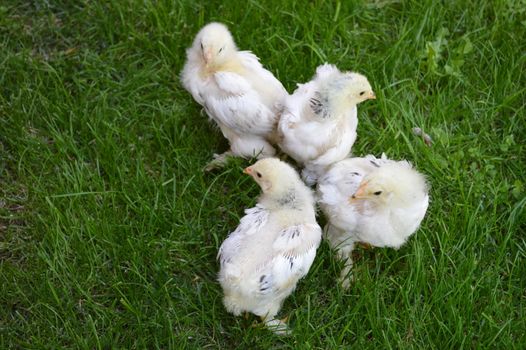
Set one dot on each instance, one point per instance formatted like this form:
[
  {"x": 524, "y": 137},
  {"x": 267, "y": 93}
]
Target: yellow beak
[
  {"x": 248, "y": 171},
  {"x": 360, "y": 192},
  {"x": 371, "y": 96}
]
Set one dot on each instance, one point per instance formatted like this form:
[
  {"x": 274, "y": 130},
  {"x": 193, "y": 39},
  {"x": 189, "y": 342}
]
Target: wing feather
[
  {"x": 190, "y": 78},
  {"x": 240, "y": 107},
  {"x": 252, "y": 223},
  {"x": 265, "y": 79},
  {"x": 296, "y": 240},
  {"x": 295, "y": 248}
]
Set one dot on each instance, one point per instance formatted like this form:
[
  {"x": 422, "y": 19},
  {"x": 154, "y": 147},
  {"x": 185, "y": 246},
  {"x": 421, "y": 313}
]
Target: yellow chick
[
  {"x": 319, "y": 120},
  {"x": 379, "y": 202},
  {"x": 243, "y": 98},
  {"x": 273, "y": 247}
]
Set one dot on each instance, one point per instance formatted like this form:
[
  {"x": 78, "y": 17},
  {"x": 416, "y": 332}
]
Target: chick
[
  {"x": 380, "y": 202},
  {"x": 319, "y": 121},
  {"x": 273, "y": 246},
  {"x": 242, "y": 97}
]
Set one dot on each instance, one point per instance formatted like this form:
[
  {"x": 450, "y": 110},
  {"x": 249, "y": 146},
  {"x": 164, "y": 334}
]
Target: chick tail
[{"x": 326, "y": 70}]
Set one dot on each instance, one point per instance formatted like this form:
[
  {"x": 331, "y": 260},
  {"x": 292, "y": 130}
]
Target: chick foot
[
  {"x": 278, "y": 327},
  {"x": 366, "y": 246},
  {"x": 219, "y": 161},
  {"x": 346, "y": 279}
]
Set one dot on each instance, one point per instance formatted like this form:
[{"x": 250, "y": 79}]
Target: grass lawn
[{"x": 109, "y": 229}]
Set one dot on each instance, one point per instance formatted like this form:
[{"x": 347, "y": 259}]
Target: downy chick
[
  {"x": 319, "y": 121},
  {"x": 273, "y": 246},
  {"x": 242, "y": 97},
  {"x": 380, "y": 202}
]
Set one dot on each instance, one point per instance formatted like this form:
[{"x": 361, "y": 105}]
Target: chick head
[
  {"x": 396, "y": 184},
  {"x": 215, "y": 44},
  {"x": 349, "y": 89},
  {"x": 272, "y": 175}
]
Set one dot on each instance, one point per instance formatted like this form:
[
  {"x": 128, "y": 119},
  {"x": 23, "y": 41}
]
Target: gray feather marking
[{"x": 319, "y": 105}]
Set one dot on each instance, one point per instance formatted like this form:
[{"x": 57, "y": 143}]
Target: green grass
[{"x": 109, "y": 229}]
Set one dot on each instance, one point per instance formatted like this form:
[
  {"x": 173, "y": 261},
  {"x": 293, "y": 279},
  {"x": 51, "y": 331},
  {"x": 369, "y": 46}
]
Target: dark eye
[
  {"x": 202, "y": 48},
  {"x": 362, "y": 93},
  {"x": 377, "y": 193},
  {"x": 221, "y": 49},
  {"x": 258, "y": 174}
]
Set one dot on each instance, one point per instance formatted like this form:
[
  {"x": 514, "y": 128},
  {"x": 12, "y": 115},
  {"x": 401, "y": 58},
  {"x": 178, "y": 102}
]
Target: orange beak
[
  {"x": 248, "y": 171},
  {"x": 360, "y": 192},
  {"x": 208, "y": 56}
]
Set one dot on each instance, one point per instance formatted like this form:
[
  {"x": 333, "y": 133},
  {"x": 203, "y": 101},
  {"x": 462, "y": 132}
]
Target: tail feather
[{"x": 325, "y": 70}]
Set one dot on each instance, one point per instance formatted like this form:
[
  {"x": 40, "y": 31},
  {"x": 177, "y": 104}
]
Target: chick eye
[
  {"x": 258, "y": 174},
  {"x": 221, "y": 49},
  {"x": 377, "y": 193},
  {"x": 202, "y": 48},
  {"x": 362, "y": 93}
]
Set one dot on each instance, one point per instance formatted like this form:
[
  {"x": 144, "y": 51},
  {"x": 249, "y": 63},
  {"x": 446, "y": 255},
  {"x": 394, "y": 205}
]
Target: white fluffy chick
[
  {"x": 273, "y": 246},
  {"x": 380, "y": 202},
  {"x": 319, "y": 120},
  {"x": 241, "y": 96}
]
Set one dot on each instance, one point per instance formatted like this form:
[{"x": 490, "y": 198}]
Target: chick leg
[
  {"x": 344, "y": 246},
  {"x": 345, "y": 254}
]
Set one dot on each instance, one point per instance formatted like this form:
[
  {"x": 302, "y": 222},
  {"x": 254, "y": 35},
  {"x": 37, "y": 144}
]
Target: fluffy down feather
[
  {"x": 319, "y": 121},
  {"x": 273, "y": 246},
  {"x": 380, "y": 202},
  {"x": 243, "y": 98}
]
